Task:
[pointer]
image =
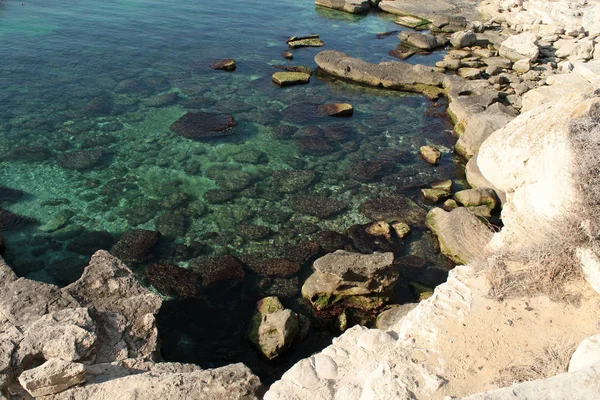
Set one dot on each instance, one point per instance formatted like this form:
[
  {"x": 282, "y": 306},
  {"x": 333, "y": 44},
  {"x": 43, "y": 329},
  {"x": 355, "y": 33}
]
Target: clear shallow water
[{"x": 93, "y": 77}]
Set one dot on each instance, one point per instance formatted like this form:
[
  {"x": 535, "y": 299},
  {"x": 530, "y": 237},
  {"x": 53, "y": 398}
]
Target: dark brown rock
[
  {"x": 319, "y": 206},
  {"x": 219, "y": 270},
  {"x": 169, "y": 279},
  {"x": 135, "y": 246},
  {"x": 203, "y": 125},
  {"x": 227, "y": 64}
]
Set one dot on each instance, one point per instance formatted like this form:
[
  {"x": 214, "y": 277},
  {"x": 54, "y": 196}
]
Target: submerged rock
[
  {"x": 227, "y": 64},
  {"x": 171, "y": 279},
  {"x": 368, "y": 171},
  {"x": 287, "y": 55},
  {"x": 319, "y": 206},
  {"x": 203, "y": 125},
  {"x": 336, "y": 109},
  {"x": 354, "y": 280},
  {"x": 82, "y": 160},
  {"x": 10, "y": 195},
  {"x": 394, "y": 208},
  {"x": 218, "y": 196},
  {"x": 270, "y": 267},
  {"x": 292, "y": 181},
  {"x": 219, "y": 272},
  {"x": 375, "y": 237},
  {"x": 30, "y": 153},
  {"x": 135, "y": 246},
  {"x": 331, "y": 241},
  {"x": 273, "y": 328},
  {"x": 254, "y": 232}
]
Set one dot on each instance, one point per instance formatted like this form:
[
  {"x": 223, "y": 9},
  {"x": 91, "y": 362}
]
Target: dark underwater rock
[
  {"x": 232, "y": 180},
  {"x": 87, "y": 243},
  {"x": 135, "y": 246},
  {"x": 169, "y": 279},
  {"x": 331, "y": 241},
  {"x": 219, "y": 271},
  {"x": 82, "y": 160},
  {"x": 254, "y": 232},
  {"x": 302, "y": 252},
  {"x": 10, "y": 221},
  {"x": 316, "y": 146},
  {"x": 394, "y": 208},
  {"x": 292, "y": 181},
  {"x": 218, "y": 196},
  {"x": 251, "y": 156},
  {"x": 319, "y": 206},
  {"x": 10, "y": 195},
  {"x": 270, "y": 267},
  {"x": 98, "y": 140},
  {"x": 2, "y": 245},
  {"x": 30, "y": 153},
  {"x": 171, "y": 224},
  {"x": 368, "y": 243},
  {"x": 203, "y": 125},
  {"x": 368, "y": 171},
  {"x": 227, "y": 64}
]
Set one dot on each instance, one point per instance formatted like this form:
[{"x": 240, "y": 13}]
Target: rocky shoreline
[{"x": 516, "y": 81}]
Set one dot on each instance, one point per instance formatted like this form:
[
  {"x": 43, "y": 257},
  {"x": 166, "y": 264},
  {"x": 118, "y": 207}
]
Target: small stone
[
  {"x": 430, "y": 154},
  {"x": 290, "y": 78},
  {"x": 435, "y": 195},
  {"x": 379, "y": 228},
  {"x": 449, "y": 205},
  {"x": 305, "y": 41},
  {"x": 273, "y": 328},
  {"x": 287, "y": 55},
  {"x": 463, "y": 39},
  {"x": 402, "y": 229},
  {"x": 54, "y": 376},
  {"x": 446, "y": 185},
  {"x": 227, "y": 64},
  {"x": 522, "y": 66},
  {"x": 469, "y": 73}
]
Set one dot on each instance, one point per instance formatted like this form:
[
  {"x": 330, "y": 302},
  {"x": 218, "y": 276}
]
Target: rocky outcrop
[
  {"x": 273, "y": 328},
  {"x": 391, "y": 75},
  {"x": 352, "y": 279},
  {"x": 91, "y": 328},
  {"x": 462, "y": 236},
  {"x": 351, "y": 6}
]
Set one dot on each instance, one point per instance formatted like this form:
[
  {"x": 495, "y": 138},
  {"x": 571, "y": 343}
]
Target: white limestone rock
[
  {"x": 351, "y": 6},
  {"x": 586, "y": 354},
  {"x": 520, "y": 46},
  {"x": 54, "y": 376}
]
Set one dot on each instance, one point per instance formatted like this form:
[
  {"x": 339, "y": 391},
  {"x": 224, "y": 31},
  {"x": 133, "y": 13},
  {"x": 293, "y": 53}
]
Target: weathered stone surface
[
  {"x": 583, "y": 384},
  {"x": 480, "y": 126},
  {"x": 290, "y": 78},
  {"x": 227, "y": 64},
  {"x": 135, "y": 246},
  {"x": 122, "y": 307},
  {"x": 351, "y": 6},
  {"x": 462, "y": 236},
  {"x": 68, "y": 334},
  {"x": 344, "y": 277},
  {"x": 203, "y": 125},
  {"x": 392, "y": 75},
  {"x": 430, "y": 154},
  {"x": 304, "y": 41},
  {"x": 586, "y": 354},
  {"x": 523, "y": 45},
  {"x": 463, "y": 39},
  {"x": 412, "y": 22},
  {"x": 273, "y": 328},
  {"x": 166, "y": 381},
  {"x": 428, "y": 10},
  {"x": 54, "y": 376},
  {"x": 477, "y": 180},
  {"x": 422, "y": 41},
  {"x": 392, "y": 315}
]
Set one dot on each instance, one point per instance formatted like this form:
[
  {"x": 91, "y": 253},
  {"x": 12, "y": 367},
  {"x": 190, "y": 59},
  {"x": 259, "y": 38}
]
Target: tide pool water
[{"x": 88, "y": 91}]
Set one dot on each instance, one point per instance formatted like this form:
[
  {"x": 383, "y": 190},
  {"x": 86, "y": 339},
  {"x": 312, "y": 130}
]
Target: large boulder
[
  {"x": 356, "y": 280},
  {"x": 392, "y": 75},
  {"x": 518, "y": 47},
  {"x": 462, "y": 236},
  {"x": 351, "y": 6},
  {"x": 273, "y": 328}
]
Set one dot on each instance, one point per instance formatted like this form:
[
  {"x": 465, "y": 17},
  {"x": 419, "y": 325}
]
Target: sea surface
[{"x": 88, "y": 91}]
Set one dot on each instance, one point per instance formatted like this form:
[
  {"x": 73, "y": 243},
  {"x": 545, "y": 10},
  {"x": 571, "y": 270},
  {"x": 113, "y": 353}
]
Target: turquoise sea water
[{"x": 89, "y": 89}]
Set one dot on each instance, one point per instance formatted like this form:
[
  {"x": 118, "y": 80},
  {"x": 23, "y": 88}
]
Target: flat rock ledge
[
  {"x": 350, "y": 6},
  {"x": 100, "y": 341},
  {"x": 395, "y": 75}
]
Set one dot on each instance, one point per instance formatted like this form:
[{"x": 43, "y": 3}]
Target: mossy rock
[{"x": 421, "y": 292}]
